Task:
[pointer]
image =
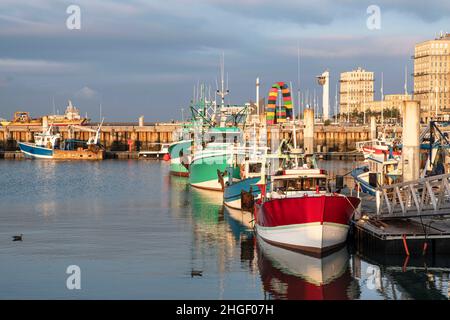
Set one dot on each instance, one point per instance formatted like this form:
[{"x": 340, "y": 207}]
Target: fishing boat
[
  {"x": 377, "y": 173},
  {"x": 70, "y": 117},
  {"x": 222, "y": 151},
  {"x": 43, "y": 146},
  {"x": 22, "y": 118},
  {"x": 242, "y": 194},
  {"x": 379, "y": 149},
  {"x": 180, "y": 152},
  {"x": 180, "y": 157},
  {"x": 298, "y": 212},
  {"x": 237, "y": 191},
  {"x": 48, "y": 145}
]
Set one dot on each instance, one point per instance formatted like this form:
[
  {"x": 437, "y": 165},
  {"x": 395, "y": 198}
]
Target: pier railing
[{"x": 422, "y": 197}]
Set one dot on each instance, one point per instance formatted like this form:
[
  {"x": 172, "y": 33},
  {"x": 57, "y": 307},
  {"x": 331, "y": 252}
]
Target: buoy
[{"x": 166, "y": 157}]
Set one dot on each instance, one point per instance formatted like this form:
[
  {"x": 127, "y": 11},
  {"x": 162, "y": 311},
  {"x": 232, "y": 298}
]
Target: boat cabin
[
  {"x": 224, "y": 135},
  {"x": 388, "y": 172},
  {"x": 46, "y": 139},
  {"x": 291, "y": 183}
]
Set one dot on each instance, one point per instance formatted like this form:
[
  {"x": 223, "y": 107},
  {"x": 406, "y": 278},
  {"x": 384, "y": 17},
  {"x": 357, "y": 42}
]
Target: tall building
[
  {"x": 432, "y": 77},
  {"x": 356, "y": 88}
]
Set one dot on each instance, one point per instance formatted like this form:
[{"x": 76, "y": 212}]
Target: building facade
[
  {"x": 391, "y": 101},
  {"x": 356, "y": 88},
  {"x": 432, "y": 77}
]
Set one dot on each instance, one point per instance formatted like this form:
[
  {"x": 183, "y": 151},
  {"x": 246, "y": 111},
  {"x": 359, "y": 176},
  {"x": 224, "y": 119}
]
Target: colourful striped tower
[{"x": 279, "y": 114}]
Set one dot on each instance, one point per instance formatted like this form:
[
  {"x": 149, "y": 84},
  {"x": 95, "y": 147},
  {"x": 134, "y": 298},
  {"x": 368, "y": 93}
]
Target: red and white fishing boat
[
  {"x": 379, "y": 149},
  {"x": 298, "y": 213}
]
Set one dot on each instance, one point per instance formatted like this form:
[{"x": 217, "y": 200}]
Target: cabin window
[
  {"x": 254, "y": 168},
  {"x": 303, "y": 184}
]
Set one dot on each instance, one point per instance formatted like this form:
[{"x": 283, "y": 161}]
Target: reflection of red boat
[
  {"x": 286, "y": 274},
  {"x": 298, "y": 218}
]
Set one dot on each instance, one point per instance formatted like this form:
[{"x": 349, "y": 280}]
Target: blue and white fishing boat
[
  {"x": 376, "y": 173},
  {"x": 48, "y": 145},
  {"x": 44, "y": 145}
]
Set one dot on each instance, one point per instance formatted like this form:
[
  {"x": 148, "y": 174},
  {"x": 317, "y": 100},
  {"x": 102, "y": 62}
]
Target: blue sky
[{"x": 144, "y": 57}]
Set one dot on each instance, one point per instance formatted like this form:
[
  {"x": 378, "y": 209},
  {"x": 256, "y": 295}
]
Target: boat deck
[{"x": 412, "y": 228}]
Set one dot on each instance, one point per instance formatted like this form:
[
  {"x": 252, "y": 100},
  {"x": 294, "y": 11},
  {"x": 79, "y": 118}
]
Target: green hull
[
  {"x": 203, "y": 173},
  {"x": 177, "y": 149}
]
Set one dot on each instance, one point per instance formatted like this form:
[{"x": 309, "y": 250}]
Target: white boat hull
[
  {"x": 212, "y": 185},
  {"x": 309, "y": 237}
]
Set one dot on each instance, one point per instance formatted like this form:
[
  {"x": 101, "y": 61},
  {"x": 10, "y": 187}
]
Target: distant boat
[
  {"x": 70, "y": 117},
  {"x": 47, "y": 145},
  {"x": 377, "y": 173},
  {"x": 380, "y": 149}
]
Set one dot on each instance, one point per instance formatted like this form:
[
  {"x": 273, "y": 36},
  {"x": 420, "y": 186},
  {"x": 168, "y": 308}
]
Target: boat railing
[{"x": 361, "y": 144}]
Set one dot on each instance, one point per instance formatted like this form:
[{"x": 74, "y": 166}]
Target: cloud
[
  {"x": 28, "y": 66},
  {"x": 332, "y": 47},
  {"x": 86, "y": 93}
]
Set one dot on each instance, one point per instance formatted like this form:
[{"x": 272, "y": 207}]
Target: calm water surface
[{"x": 137, "y": 233}]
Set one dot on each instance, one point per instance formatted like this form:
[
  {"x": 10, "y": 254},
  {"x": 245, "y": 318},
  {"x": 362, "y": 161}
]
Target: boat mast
[
  {"x": 298, "y": 83},
  {"x": 257, "y": 97},
  {"x": 223, "y": 92}
]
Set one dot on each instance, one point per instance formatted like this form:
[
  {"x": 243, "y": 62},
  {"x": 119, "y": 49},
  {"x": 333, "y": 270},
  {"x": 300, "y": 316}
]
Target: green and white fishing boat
[
  {"x": 218, "y": 139},
  {"x": 221, "y": 152}
]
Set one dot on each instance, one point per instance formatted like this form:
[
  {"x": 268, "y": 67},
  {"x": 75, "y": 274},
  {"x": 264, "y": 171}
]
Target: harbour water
[{"x": 137, "y": 233}]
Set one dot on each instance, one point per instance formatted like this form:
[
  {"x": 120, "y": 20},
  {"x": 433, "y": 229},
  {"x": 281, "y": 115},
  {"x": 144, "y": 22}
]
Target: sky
[{"x": 141, "y": 57}]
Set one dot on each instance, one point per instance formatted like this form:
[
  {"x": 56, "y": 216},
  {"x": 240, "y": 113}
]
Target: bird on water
[
  {"x": 18, "y": 238},
  {"x": 196, "y": 273}
]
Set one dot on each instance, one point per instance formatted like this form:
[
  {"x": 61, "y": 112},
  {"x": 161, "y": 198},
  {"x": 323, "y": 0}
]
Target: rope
[{"x": 354, "y": 209}]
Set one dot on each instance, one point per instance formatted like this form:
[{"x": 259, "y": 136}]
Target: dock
[
  {"x": 334, "y": 142},
  {"x": 410, "y": 218},
  {"x": 119, "y": 155}
]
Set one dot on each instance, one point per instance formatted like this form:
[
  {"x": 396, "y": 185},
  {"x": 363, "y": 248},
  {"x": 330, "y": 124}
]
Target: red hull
[
  {"x": 380, "y": 151},
  {"x": 307, "y": 209}
]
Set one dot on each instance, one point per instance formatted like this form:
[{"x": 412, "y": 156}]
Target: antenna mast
[
  {"x": 406, "y": 80},
  {"x": 223, "y": 92}
]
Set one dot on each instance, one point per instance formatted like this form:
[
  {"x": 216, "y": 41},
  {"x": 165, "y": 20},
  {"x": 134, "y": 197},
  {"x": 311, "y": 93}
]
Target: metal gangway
[{"x": 423, "y": 197}]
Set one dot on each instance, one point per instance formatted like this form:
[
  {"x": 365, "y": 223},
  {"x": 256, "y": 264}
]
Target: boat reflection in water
[
  {"x": 287, "y": 274},
  {"x": 206, "y": 207},
  {"x": 243, "y": 218}
]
